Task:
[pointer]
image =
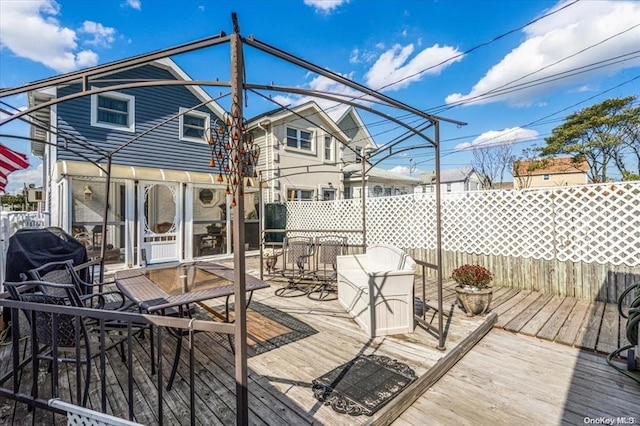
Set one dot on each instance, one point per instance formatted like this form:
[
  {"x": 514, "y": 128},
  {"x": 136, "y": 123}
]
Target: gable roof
[
  {"x": 356, "y": 117},
  {"x": 283, "y": 114},
  {"x": 548, "y": 166},
  {"x": 354, "y": 171},
  {"x": 449, "y": 175}
]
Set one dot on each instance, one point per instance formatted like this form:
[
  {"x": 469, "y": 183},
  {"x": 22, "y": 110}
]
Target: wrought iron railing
[{"x": 107, "y": 328}]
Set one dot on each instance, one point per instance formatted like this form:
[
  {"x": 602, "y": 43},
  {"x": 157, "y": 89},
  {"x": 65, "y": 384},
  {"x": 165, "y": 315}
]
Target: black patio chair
[
  {"x": 328, "y": 248},
  {"x": 298, "y": 264},
  {"x": 64, "y": 272},
  {"x": 58, "y": 337}
]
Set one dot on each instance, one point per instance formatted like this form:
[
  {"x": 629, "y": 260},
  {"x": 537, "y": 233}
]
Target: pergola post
[{"x": 236, "y": 140}]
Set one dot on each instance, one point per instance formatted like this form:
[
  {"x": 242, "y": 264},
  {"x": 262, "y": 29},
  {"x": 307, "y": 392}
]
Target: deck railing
[{"x": 22, "y": 363}]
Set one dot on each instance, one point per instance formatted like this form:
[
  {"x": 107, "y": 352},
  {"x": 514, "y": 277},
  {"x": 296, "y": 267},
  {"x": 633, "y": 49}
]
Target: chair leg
[
  {"x": 85, "y": 397},
  {"x": 176, "y": 361},
  {"x": 153, "y": 351}
]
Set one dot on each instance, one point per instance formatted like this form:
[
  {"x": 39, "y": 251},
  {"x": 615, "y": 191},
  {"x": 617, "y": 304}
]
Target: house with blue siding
[{"x": 165, "y": 201}]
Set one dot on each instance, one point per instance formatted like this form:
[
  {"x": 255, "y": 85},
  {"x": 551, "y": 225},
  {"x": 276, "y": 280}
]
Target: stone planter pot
[{"x": 474, "y": 301}]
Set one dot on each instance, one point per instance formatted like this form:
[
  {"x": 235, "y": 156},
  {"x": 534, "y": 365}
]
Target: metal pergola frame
[{"x": 238, "y": 86}]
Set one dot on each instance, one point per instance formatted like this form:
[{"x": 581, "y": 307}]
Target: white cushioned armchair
[{"x": 376, "y": 289}]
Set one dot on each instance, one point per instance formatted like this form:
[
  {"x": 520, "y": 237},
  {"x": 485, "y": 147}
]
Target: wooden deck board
[
  {"x": 539, "y": 320},
  {"x": 523, "y": 317},
  {"x": 609, "y": 329},
  {"x": 529, "y": 382},
  {"x": 550, "y": 330},
  {"x": 588, "y": 334},
  {"x": 569, "y": 330},
  {"x": 506, "y": 315}
]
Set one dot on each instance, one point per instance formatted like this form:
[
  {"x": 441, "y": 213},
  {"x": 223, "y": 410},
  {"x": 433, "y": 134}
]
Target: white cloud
[
  {"x": 499, "y": 137},
  {"x": 324, "y": 84},
  {"x": 30, "y": 30},
  {"x": 324, "y": 6},
  {"x": 398, "y": 65},
  {"x": 102, "y": 36},
  {"x": 401, "y": 170},
  {"x": 354, "y": 58},
  {"x": 553, "y": 39},
  {"x": 17, "y": 180},
  {"x": 134, "y": 4}
]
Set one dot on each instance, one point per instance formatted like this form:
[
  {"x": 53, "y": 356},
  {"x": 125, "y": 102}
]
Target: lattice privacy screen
[{"x": 587, "y": 223}]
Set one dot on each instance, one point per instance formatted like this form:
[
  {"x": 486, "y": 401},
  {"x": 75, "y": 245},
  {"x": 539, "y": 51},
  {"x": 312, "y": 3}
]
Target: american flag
[{"x": 10, "y": 161}]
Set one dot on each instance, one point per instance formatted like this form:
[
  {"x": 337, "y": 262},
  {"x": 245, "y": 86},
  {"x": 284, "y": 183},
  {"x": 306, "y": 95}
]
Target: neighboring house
[
  {"x": 301, "y": 154},
  {"x": 549, "y": 172},
  {"x": 163, "y": 193},
  {"x": 378, "y": 182},
  {"x": 453, "y": 180}
]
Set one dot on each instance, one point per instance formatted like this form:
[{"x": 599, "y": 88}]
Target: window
[
  {"x": 300, "y": 195},
  {"x": 113, "y": 110},
  {"x": 377, "y": 191},
  {"x": 546, "y": 177},
  {"x": 300, "y": 139},
  {"x": 328, "y": 148},
  {"x": 358, "y": 154},
  {"x": 193, "y": 125},
  {"x": 448, "y": 187},
  {"x": 328, "y": 194}
]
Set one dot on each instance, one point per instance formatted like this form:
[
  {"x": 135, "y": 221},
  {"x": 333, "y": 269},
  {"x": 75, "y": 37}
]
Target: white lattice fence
[{"x": 589, "y": 223}]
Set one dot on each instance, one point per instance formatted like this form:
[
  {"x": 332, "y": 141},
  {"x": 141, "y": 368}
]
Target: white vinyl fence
[{"x": 588, "y": 224}]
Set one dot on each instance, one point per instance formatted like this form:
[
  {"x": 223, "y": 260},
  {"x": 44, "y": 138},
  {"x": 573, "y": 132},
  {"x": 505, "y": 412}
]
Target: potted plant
[{"x": 474, "y": 289}]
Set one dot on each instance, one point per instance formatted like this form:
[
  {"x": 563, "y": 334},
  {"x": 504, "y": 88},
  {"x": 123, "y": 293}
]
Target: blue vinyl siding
[{"x": 160, "y": 148}]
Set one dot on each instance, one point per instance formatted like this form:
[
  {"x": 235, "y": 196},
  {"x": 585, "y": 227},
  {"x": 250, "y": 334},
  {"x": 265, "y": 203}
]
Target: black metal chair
[
  {"x": 328, "y": 248},
  {"x": 64, "y": 272},
  {"x": 58, "y": 337},
  {"x": 298, "y": 264}
]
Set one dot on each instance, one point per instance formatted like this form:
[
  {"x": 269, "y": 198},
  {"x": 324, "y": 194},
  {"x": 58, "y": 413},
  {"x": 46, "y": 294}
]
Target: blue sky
[{"x": 439, "y": 56}]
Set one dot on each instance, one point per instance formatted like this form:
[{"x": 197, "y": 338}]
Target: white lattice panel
[{"x": 588, "y": 223}]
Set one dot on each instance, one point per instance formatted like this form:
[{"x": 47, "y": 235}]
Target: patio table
[{"x": 164, "y": 290}]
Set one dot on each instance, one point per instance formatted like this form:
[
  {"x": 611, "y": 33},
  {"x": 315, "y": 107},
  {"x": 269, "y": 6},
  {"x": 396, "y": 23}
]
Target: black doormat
[{"x": 363, "y": 385}]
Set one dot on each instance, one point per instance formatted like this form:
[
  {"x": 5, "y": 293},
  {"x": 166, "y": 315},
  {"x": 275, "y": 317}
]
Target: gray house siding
[
  {"x": 160, "y": 148},
  {"x": 357, "y": 135}
]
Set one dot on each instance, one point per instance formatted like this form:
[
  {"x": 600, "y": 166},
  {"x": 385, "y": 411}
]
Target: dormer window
[
  {"x": 193, "y": 125},
  {"x": 113, "y": 110}
]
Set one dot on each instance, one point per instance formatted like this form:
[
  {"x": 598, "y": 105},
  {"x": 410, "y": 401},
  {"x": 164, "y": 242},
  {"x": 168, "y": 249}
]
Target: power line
[{"x": 486, "y": 43}]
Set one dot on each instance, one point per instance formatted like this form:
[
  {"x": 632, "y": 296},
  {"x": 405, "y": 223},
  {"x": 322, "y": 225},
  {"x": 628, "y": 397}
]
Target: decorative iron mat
[{"x": 363, "y": 385}]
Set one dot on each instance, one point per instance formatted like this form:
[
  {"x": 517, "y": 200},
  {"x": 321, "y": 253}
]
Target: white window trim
[
  {"x": 324, "y": 148},
  {"x": 297, "y": 148},
  {"x": 116, "y": 95},
  {"x": 207, "y": 124},
  {"x": 314, "y": 193}
]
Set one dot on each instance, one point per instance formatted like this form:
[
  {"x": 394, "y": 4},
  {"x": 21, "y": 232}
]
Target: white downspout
[{"x": 269, "y": 158}]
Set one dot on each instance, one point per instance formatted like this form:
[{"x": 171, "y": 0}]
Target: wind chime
[{"x": 235, "y": 164}]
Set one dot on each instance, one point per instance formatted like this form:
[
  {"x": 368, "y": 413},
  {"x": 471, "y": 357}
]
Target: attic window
[
  {"x": 193, "y": 124},
  {"x": 113, "y": 110}
]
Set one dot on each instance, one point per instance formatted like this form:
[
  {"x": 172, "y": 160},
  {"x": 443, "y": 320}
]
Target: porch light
[
  {"x": 235, "y": 164},
  {"x": 88, "y": 193}
]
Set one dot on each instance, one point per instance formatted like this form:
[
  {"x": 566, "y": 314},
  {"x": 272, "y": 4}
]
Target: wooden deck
[
  {"x": 292, "y": 342},
  {"x": 295, "y": 340},
  {"x": 510, "y": 379}
]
